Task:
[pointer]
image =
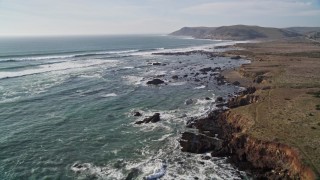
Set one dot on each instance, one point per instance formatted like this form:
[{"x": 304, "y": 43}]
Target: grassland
[{"x": 288, "y": 110}]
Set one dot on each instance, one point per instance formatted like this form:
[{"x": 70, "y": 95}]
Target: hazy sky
[{"x": 50, "y": 17}]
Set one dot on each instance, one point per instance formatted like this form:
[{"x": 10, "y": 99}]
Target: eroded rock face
[
  {"x": 153, "y": 119},
  {"x": 249, "y": 90},
  {"x": 258, "y": 79},
  {"x": 242, "y": 100},
  {"x": 224, "y": 134},
  {"x": 271, "y": 160},
  {"x": 207, "y": 125},
  {"x": 199, "y": 143}
]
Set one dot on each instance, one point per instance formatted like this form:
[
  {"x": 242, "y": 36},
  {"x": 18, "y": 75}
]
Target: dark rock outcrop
[
  {"x": 249, "y": 90},
  {"x": 235, "y": 57},
  {"x": 137, "y": 113},
  {"x": 156, "y": 63},
  {"x": 236, "y": 83},
  {"x": 258, "y": 79},
  {"x": 224, "y": 133},
  {"x": 204, "y": 70},
  {"x": 153, "y": 119},
  {"x": 219, "y": 99},
  {"x": 199, "y": 143},
  {"x": 155, "y": 82},
  {"x": 175, "y": 77}
]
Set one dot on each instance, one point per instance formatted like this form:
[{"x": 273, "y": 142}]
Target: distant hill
[
  {"x": 304, "y": 30},
  {"x": 309, "y": 32},
  {"x": 241, "y": 32},
  {"x": 314, "y": 35},
  {"x": 196, "y": 32}
]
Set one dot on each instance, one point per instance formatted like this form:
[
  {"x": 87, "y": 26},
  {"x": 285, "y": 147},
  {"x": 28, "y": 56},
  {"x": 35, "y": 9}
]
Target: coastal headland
[
  {"x": 272, "y": 129},
  {"x": 281, "y": 127}
]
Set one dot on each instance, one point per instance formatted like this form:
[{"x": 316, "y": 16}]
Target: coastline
[{"x": 256, "y": 133}]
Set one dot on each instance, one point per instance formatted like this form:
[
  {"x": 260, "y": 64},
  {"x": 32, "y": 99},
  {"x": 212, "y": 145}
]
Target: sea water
[{"x": 66, "y": 107}]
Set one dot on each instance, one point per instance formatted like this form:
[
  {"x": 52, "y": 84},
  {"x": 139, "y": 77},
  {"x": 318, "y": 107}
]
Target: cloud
[
  {"x": 254, "y": 7},
  {"x": 149, "y": 16}
]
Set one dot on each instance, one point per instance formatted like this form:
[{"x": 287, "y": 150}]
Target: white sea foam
[
  {"x": 128, "y": 67},
  {"x": 135, "y": 80},
  {"x": 164, "y": 165},
  {"x": 122, "y": 52},
  {"x": 7, "y": 100},
  {"x": 178, "y": 83},
  {"x": 200, "y": 87},
  {"x": 91, "y": 75},
  {"x": 72, "y": 55},
  {"x": 207, "y": 47},
  {"x": 158, "y": 172},
  {"x": 57, "y": 67},
  {"x": 110, "y": 95},
  {"x": 154, "y": 72},
  {"x": 85, "y": 169},
  {"x": 35, "y": 58},
  {"x": 163, "y": 137}
]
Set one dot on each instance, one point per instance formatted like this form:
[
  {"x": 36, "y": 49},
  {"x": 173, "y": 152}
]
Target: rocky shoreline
[
  {"x": 224, "y": 134},
  {"x": 227, "y": 133}
]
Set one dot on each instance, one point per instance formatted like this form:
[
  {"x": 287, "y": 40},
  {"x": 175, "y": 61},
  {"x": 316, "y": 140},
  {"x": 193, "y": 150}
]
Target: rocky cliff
[{"x": 225, "y": 133}]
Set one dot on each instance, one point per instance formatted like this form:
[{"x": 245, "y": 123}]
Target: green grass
[
  {"x": 311, "y": 54},
  {"x": 315, "y": 94}
]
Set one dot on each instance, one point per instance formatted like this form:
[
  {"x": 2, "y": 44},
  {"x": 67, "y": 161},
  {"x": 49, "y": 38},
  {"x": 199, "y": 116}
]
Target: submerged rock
[
  {"x": 175, "y": 77},
  {"x": 189, "y": 101},
  {"x": 155, "y": 82},
  {"x": 77, "y": 167},
  {"x": 134, "y": 172}
]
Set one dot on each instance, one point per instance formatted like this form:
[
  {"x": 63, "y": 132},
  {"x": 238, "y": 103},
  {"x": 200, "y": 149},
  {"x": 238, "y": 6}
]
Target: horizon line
[{"x": 98, "y": 34}]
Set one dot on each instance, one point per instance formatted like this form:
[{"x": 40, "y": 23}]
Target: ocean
[{"x": 67, "y": 104}]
